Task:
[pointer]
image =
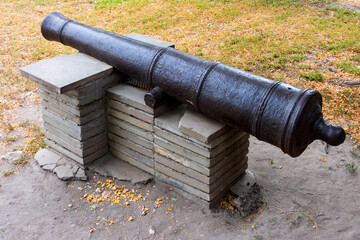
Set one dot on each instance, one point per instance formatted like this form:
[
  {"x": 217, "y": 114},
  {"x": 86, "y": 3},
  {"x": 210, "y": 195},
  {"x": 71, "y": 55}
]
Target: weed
[
  {"x": 274, "y": 219},
  {"x": 8, "y": 173},
  {"x": 10, "y": 127},
  {"x": 302, "y": 66},
  {"x": 275, "y": 55},
  {"x": 313, "y": 76},
  {"x": 351, "y": 167},
  {"x": 108, "y": 3},
  {"x": 349, "y": 67},
  {"x": 297, "y": 58},
  {"x": 9, "y": 139},
  {"x": 258, "y": 237},
  {"x": 355, "y": 154}
]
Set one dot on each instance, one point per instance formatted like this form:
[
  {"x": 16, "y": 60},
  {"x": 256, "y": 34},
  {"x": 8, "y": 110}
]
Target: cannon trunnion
[{"x": 275, "y": 112}]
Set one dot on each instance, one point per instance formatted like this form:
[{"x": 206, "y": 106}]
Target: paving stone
[
  {"x": 81, "y": 152},
  {"x": 207, "y": 162},
  {"x": 12, "y": 157},
  {"x": 207, "y": 188},
  {"x": 134, "y": 97},
  {"x": 71, "y": 117},
  {"x": 130, "y": 128},
  {"x": 217, "y": 171},
  {"x": 132, "y": 153},
  {"x": 76, "y": 110},
  {"x": 208, "y": 197},
  {"x": 130, "y": 119},
  {"x": 146, "y": 117},
  {"x": 83, "y": 132},
  {"x": 132, "y": 161},
  {"x": 64, "y": 172},
  {"x": 111, "y": 166},
  {"x": 66, "y": 72},
  {"x": 131, "y": 145},
  {"x": 46, "y": 157},
  {"x": 73, "y": 156},
  {"x": 169, "y": 123},
  {"x": 149, "y": 40},
  {"x": 201, "y": 127},
  {"x": 130, "y": 136}
]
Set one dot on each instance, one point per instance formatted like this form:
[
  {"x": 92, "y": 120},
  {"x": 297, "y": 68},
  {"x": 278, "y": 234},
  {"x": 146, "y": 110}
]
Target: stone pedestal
[{"x": 72, "y": 91}]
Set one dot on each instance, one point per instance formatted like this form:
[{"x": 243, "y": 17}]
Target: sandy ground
[{"x": 310, "y": 197}]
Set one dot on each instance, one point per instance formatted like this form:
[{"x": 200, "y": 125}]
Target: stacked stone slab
[
  {"x": 73, "y": 90},
  {"x": 131, "y": 125},
  {"x": 198, "y": 155}
]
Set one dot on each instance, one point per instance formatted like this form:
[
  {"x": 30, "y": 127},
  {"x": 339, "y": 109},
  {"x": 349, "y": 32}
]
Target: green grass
[
  {"x": 313, "y": 76},
  {"x": 349, "y": 67}
]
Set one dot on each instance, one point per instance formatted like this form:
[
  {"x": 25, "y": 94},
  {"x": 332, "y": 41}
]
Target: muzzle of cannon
[{"x": 278, "y": 113}]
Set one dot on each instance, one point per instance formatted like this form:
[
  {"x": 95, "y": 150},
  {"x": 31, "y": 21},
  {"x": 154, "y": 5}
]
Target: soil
[{"x": 313, "y": 196}]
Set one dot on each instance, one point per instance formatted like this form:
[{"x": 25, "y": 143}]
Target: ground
[{"x": 314, "y": 196}]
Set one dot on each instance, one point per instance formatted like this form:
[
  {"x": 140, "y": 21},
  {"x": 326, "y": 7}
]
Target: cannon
[{"x": 273, "y": 111}]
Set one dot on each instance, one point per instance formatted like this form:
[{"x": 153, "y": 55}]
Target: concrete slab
[
  {"x": 130, "y": 119},
  {"x": 111, "y": 166},
  {"x": 130, "y": 136},
  {"x": 66, "y": 72},
  {"x": 132, "y": 161},
  {"x": 116, "y": 105},
  {"x": 116, "y": 123},
  {"x": 149, "y": 40},
  {"x": 200, "y": 127},
  {"x": 131, "y": 145},
  {"x": 131, "y": 153}
]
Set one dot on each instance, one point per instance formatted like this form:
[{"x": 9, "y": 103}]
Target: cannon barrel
[{"x": 273, "y": 111}]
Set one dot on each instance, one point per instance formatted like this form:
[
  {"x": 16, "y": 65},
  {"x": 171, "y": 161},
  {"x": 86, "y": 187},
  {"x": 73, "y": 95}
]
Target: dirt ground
[{"x": 313, "y": 196}]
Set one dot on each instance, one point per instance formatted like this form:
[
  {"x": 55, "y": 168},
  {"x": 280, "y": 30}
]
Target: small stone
[
  {"x": 64, "y": 172},
  {"x": 12, "y": 157},
  {"x": 151, "y": 231},
  {"x": 81, "y": 175},
  {"x": 332, "y": 69},
  {"x": 70, "y": 205}
]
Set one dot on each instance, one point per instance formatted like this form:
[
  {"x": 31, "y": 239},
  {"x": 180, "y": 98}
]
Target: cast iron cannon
[{"x": 273, "y": 111}]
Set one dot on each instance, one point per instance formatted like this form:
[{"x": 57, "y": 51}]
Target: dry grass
[{"x": 281, "y": 40}]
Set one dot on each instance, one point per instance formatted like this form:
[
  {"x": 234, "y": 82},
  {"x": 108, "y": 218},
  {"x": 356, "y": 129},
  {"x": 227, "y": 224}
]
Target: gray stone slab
[
  {"x": 81, "y": 152},
  {"x": 199, "y": 149},
  {"x": 75, "y": 157},
  {"x": 130, "y": 136},
  {"x": 77, "y": 111},
  {"x": 133, "y": 154},
  {"x": 116, "y": 105},
  {"x": 66, "y": 72},
  {"x": 130, "y": 119},
  {"x": 169, "y": 122},
  {"x": 200, "y": 127},
  {"x": 149, "y": 40},
  {"x": 111, "y": 166},
  {"x": 225, "y": 185},
  {"x": 214, "y": 173},
  {"x": 131, "y": 145},
  {"x": 131, "y": 128},
  {"x": 71, "y": 117},
  {"x": 83, "y": 132},
  {"x": 46, "y": 93},
  {"x": 185, "y": 153},
  {"x": 45, "y": 157},
  {"x": 132, "y": 161},
  {"x": 207, "y": 188}
]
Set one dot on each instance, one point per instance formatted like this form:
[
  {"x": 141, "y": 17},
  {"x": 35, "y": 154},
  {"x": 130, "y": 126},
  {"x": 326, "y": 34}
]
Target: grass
[
  {"x": 279, "y": 39},
  {"x": 351, "y": 167}
]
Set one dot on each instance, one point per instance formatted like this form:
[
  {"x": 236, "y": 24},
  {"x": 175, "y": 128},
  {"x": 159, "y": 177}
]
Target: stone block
[
  {"x": 130, "y": 136},
  {"x": 200, "y": 127},
  {"x": 130, "y": 128},
  {"x": 131, "y": 145},
  {"x": 132, "y": 153},
  {"x": 73, "y": 156},
  {"x": 149, "y": 40},
  {"x": 83, "y": 132},
  {"x": 146, "y": 117},
  {"x": 71, "y": 117},
  {"x": 187, "y": 154},
  {"x": 132, "y": 161},
  {"x": 130, "y": 119},
  {"x": 66, "y": 72}
]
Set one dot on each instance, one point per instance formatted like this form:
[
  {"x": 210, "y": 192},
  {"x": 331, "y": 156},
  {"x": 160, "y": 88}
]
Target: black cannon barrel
[{"x": 275, "y": 112}]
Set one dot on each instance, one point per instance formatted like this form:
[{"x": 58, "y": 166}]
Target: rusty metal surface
[{"x": 275, "y": 112}]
